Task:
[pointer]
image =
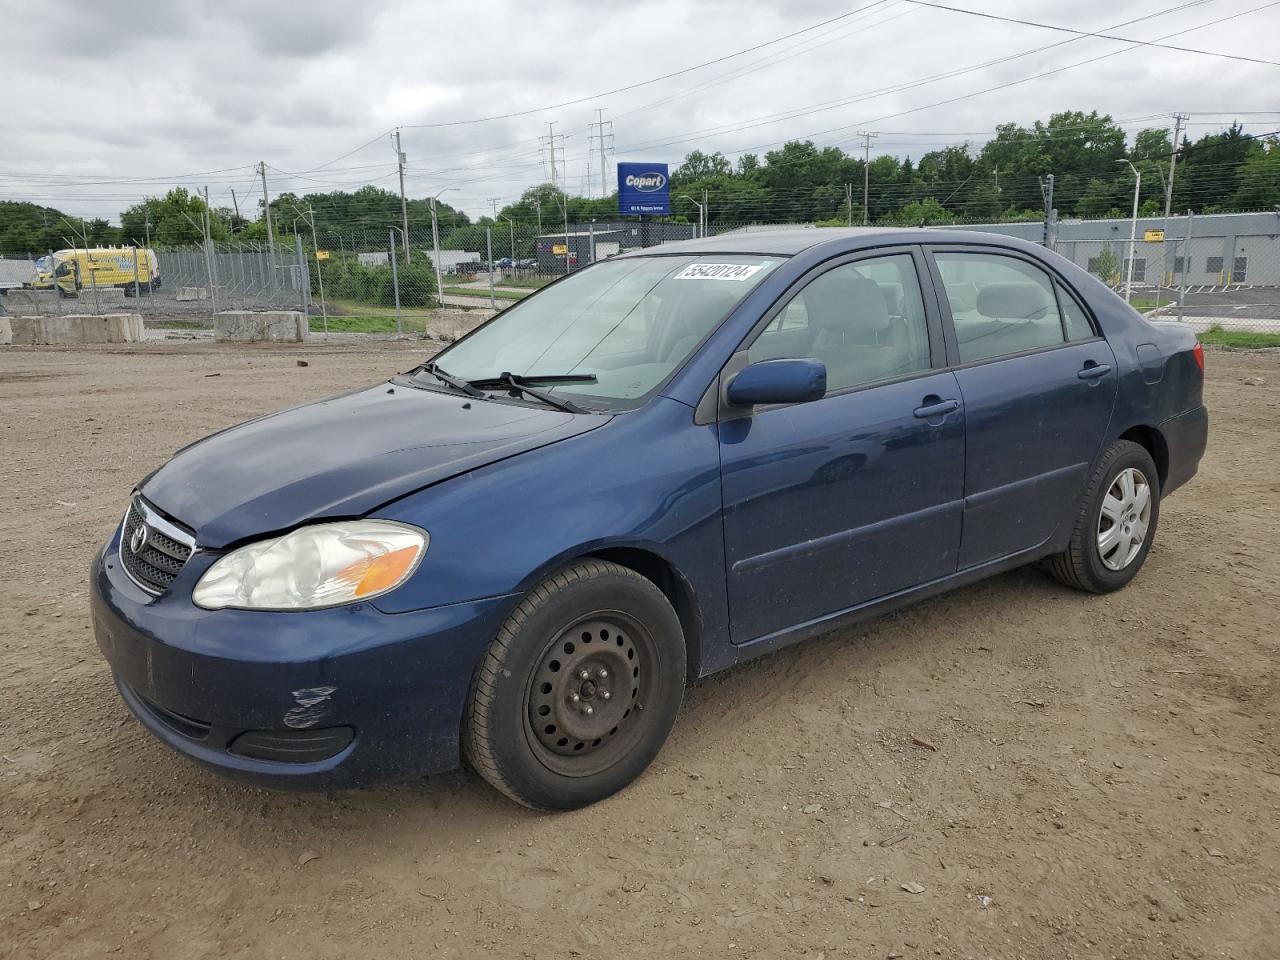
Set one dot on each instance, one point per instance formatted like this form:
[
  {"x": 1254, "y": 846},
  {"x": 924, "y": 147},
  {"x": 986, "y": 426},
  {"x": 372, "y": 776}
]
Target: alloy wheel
[{"x": 1124, "y": 519}]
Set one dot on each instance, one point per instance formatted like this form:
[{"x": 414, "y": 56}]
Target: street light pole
[
  {"x": 512, "y": 226},
  {"x": 395, "y": 278},
  {"x": 435, "y": 247},
  {"x": 1133, "y": 229},
  {"x": 310, "y": 217},
  {"x": 698, "y": 229}
]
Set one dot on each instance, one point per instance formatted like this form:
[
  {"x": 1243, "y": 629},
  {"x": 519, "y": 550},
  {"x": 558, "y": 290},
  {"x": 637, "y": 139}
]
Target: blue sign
[{"x": 643, "y": 189}]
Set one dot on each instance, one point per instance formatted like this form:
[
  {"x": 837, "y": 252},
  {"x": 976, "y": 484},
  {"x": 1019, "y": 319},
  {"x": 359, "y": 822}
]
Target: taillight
[{"x": 1198, "y": 353}]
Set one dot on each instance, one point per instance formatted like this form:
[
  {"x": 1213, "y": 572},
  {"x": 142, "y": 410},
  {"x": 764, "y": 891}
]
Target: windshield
[{"x": 629, "y": 323}]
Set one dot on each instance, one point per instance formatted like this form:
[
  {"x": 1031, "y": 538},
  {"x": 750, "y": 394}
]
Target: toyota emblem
[{"x": 138, "y": 539}]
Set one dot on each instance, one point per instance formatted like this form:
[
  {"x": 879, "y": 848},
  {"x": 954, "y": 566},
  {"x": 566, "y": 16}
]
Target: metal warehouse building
[{"x": 1225, "y": 249}]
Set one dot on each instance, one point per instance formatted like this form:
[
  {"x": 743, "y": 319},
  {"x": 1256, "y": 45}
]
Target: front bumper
[{"x": 361, "y": 695}]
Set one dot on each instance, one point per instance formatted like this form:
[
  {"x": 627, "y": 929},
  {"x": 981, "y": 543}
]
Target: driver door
[{"x": 832, "y": 504}]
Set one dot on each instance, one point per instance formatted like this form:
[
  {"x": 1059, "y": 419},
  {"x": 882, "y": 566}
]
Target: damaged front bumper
[{"x": 319, "y": 699}]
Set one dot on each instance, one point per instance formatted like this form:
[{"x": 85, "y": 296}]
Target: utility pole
[
  {"x": 404, "y": 204},
  {"x": 235, "y": 203},
  {"x": 1178, "y": 119},
  {"x": 551, "y": 140},
  {"x": 266, "y": 208},
  {"x": 600, "y": 124},
  {"x": 704, "y": 211},
  {"x": 848, "y": 201},
  {"x": 1173, "y": 162},
  {"x": 866, "y": 174},
  {"x": 1050, "y": 215}
]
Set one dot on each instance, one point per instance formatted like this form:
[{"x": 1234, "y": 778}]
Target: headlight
[{"x": 318, "y": 566}]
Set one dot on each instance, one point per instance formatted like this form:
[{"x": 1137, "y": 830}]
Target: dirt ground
[{"x": 1061, "y": 775}]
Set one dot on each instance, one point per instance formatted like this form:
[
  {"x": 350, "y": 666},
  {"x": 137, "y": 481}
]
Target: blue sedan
[{"x": 653, "y": 469}]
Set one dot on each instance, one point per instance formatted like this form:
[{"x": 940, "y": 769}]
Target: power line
[
  {"x": 643, "y": 83},
  {"x": 823, "y": 106},
  {"x": 1084, "y": 33}
]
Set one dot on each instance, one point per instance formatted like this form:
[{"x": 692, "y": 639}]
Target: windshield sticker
[{"x": 719, "y": 271}]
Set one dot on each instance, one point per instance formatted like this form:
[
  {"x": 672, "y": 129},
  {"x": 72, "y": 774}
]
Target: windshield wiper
[
  {"x": 520, "y": 384},
  {"x": 528, "y": 381},
  {"x": 449, "y": 379}
]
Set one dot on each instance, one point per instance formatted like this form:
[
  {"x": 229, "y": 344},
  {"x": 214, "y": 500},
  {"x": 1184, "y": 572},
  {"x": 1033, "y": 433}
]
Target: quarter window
[
  {"x": 864, "y": 320},
  {"x": 999, "y": 305},
  {"x": 1074, "y": 320}
]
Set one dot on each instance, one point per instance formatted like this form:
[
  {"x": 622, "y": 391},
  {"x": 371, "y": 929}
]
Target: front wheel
[
  {"x": 579, "y": 690},
  {"x": 1117, "y": 522}
]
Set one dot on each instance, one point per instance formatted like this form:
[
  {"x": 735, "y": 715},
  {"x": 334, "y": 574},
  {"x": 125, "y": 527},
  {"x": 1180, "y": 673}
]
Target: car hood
[{"x": 342, "y": 457}]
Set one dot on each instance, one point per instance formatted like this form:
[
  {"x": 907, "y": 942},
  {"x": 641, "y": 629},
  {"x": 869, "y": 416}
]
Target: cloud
[{"x": 176, "y": 90}]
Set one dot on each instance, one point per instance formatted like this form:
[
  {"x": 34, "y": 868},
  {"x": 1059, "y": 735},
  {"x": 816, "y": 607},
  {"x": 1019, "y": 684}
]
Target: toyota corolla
[{"x": 660, "y": 466}]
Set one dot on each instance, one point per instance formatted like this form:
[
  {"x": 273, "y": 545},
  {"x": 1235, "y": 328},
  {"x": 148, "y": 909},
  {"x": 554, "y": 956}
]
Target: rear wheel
[
  {"x": 1117, "y": 522},
  {"x": 579, "y": 690}
]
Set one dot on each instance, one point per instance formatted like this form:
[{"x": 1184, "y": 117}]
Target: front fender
[{"x": 647, "y": 480}]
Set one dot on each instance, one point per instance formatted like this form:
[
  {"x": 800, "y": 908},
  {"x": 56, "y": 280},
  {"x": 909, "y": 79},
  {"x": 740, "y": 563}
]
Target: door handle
[
  {"x": 936, "y": 408},
  {"x": 1092, "y": 371}
]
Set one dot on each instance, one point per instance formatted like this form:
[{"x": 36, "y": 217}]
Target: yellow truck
[{"x": 71, "y": 271}]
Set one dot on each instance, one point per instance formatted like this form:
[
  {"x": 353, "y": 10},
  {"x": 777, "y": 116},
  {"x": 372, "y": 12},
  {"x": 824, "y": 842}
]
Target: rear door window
[{"x": 999, "y": 305}]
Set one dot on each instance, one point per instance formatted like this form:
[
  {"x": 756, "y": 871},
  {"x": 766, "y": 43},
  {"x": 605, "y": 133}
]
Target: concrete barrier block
[
  {"x": 31, "y": 301},
  {"x": 78, "y": 328},
  {"x": 280, "y": 326},
  {"x": 6, "y": 331},
  {"x": 187, "y": 294}
]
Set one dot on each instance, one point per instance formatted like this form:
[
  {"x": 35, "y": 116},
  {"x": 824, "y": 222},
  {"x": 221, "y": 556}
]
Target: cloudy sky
[{"x": 105, "y": 103}]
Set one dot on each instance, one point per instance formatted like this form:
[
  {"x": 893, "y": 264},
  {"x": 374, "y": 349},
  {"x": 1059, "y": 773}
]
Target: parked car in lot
[{"x": 655, "y": 468}]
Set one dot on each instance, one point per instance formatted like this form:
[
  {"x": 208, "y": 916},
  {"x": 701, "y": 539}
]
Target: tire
[
  {"x": 1085, "y": 564},
  {"x": 552, "y": 738}
]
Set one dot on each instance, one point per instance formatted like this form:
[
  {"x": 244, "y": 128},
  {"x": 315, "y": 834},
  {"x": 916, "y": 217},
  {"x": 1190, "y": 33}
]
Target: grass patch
[
  {"x": 175, "y": 324},
  {"x": 1244, "y": 339},
  {"x": 370, "y": 324},
  {"x": 526, "y": 283},
  {"x": 498, "y": 293}
]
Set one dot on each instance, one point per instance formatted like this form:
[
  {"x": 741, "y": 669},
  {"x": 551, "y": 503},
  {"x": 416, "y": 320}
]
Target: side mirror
[{"x": 778, "y": 381}]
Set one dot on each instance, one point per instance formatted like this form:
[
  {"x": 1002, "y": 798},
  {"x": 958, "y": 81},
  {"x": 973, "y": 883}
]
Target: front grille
[{"x": 155, "y": 562}]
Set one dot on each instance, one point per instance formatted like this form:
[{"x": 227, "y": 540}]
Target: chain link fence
[{"x": 1208, "y": 271}]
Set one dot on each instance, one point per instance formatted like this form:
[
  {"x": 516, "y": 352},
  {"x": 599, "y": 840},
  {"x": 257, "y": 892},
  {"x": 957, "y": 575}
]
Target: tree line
[{"x": 798, "y": 182}]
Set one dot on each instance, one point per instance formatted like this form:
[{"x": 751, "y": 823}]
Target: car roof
[{"x": 789, "y": 242}]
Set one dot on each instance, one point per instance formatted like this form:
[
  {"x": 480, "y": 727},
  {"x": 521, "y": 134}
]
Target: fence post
[
  {"x": 395, "y": 281},
  {"x": 137, "y": 294},
  {"x": 304, "y": 281},
  {"x": 1186, "y": 262},
  {"x": 488, "y": 246},
  {"x": 208, "y": 269},
  {"x": 93, "y": 282},
  {"x": 591, "y": 242}
]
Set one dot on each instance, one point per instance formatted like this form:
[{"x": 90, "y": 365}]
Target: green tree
[
  {"x": 1105, "y": 267},
  {"x": 175, "y": 220},
  {"x": 1260, "y": 178}
]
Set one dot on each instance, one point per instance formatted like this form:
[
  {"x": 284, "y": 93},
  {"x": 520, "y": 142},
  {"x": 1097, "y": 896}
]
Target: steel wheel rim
[
  {"x": 1124, "y": 520},
  {"x": 577, "y": 721}
]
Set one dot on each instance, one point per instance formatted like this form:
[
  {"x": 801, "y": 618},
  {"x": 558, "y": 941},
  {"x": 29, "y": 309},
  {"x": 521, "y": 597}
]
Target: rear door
[
  {"x": 1038, "y": 384},
  {"x": 834, "y": 503}
]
